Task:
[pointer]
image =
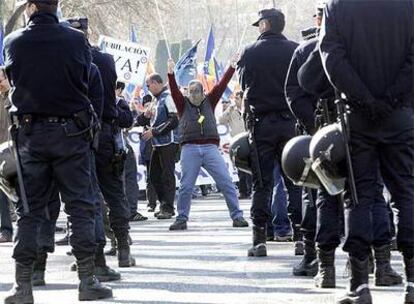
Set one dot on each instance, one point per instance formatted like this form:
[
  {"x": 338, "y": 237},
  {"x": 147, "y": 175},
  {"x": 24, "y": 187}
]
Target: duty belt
[{"x": 25, "y": 119}]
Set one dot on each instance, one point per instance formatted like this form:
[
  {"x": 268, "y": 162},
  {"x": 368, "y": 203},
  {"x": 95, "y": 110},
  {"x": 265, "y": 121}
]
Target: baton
[{"x": 340, "y": 105}]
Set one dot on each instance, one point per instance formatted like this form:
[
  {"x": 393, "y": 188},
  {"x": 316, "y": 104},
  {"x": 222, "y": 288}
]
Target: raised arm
[{"x": 176, "y": 94}]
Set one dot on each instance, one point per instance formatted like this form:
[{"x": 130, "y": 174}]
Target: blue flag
[
  {"x": 1, "y": 45},
  {"x": 134, "y": 37},
  {"x": 208, "y": 64},
  {"x": 219, "y": 72},
  {"x": 186, "y": 67}
]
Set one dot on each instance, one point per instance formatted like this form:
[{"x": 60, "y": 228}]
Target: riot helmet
[
  {"x": 296, "y": 162},
  {"x": 327, "y": 152},
  {"x": 240, "y": 152}
]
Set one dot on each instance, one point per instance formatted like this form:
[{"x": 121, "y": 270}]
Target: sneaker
[
  {"x": 179, "y": 225},
  {"x": 284, "y": 238},
  {"x": 240, "y": 222},
  {"x": 137, "y": 217},
  {"x": 163, "y": 215},
  {"x": 5, "y": 237}
]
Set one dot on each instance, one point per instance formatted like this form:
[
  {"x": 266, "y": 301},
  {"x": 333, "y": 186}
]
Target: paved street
[{"x": 206, "y": 264}]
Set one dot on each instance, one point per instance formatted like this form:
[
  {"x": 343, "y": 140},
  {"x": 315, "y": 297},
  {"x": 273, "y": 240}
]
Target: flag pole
[
  {"x": 163, "y": 29},
  {"x": 242, "y": 38}
]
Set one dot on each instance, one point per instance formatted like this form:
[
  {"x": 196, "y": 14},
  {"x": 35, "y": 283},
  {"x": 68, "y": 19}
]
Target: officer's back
[
  {"x": 263, "y": 68},
  {"x": 106, "y": 66},
  {"x": 377, "y": 36},
  {"x": 45, "y": 60}
]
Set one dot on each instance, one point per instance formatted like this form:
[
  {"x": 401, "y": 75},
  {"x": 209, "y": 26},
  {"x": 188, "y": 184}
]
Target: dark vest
[{"x": 192, "y": 128}]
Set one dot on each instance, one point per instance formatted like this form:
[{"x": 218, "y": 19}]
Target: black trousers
[
  {"x": 112, "y": 186},
  {"x": 51, "y": 159},
  {"x": 150, "y": 192},
  {"x": 271, "y": 134},
  {"x": 162, "y": 172},
  {"x": 308, "y": 225},
  {"x": 245, "y": 183},
  {"x": 389, "y": 146},
  {"x": 131, "y": 180}
]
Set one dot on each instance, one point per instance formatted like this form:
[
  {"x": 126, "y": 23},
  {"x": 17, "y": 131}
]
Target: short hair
[
  {"x": 120, "y": 85},
  {"x": 155, "y": 77},
  {"x": 45, "y": 7}
]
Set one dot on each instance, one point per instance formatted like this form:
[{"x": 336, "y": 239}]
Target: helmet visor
[{"x": 332, "y": 183}]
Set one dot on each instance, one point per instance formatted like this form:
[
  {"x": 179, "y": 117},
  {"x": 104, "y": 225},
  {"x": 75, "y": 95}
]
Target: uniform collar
[
  {"x": 271, "y": 35},
  {"x": 43, "y": 18}
]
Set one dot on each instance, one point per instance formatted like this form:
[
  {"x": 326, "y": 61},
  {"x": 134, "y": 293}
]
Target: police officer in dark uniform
[
  {"x": 262, "y": 68},
  {"x": 367, "y": 50},
  {"x": 53, "y": 120},
  {"x": 303, "y": 102},
  {"x": 110, "y": 160},
  {"x": 321, "y": 108}
]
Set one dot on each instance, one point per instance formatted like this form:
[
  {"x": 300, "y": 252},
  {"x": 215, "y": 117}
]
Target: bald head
[{"x": 155, "y": 83}]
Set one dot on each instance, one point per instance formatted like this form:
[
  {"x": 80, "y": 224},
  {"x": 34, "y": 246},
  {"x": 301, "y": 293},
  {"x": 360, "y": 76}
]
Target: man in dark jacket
[
  {"x": 376, "y": 75},
  {"x": 303, "y": 102},
  {"x": 50, "y": 140},
  {"x": 262, "y": 68},
  {"x": 163, "y": 134}
]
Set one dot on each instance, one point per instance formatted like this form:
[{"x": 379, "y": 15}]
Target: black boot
[
  {"x": 326, "y": 274},
  {"x": 259, "y": 242},
  {"x": 21, "y": 293},
  {"x": 384, "y": 274},
  {"x": 102, "y": 271},
  {"x": 124, "y": 257},
  {"x": 298, "y": 239},
  {"x": 308, "y": 266},
  {"x": 409, "y": 270},
  {"x": 89, "y": 287},
  {"x": 39, "y": 267},
  {"x": 359, "y": 291}
]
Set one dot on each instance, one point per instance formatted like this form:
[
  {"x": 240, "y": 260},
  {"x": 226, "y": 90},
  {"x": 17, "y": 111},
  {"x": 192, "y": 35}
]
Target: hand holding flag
[
  {"x": 234, "y": 60},
  {"x": 171, "y": 66}
]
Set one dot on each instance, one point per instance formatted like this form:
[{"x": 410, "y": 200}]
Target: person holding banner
[{"x": 200, "y": 140}]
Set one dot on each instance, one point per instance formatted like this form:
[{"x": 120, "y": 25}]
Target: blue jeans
[
  {"x": 280, "y": 220},
  {"x": 193, "y": 157}
]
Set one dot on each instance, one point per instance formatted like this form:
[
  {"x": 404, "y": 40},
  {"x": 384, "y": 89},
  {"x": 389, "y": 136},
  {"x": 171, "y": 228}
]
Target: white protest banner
[{"x": 131, "y": 59}]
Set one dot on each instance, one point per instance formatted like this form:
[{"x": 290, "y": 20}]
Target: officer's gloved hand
[{"x": 377, "y": 110}]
